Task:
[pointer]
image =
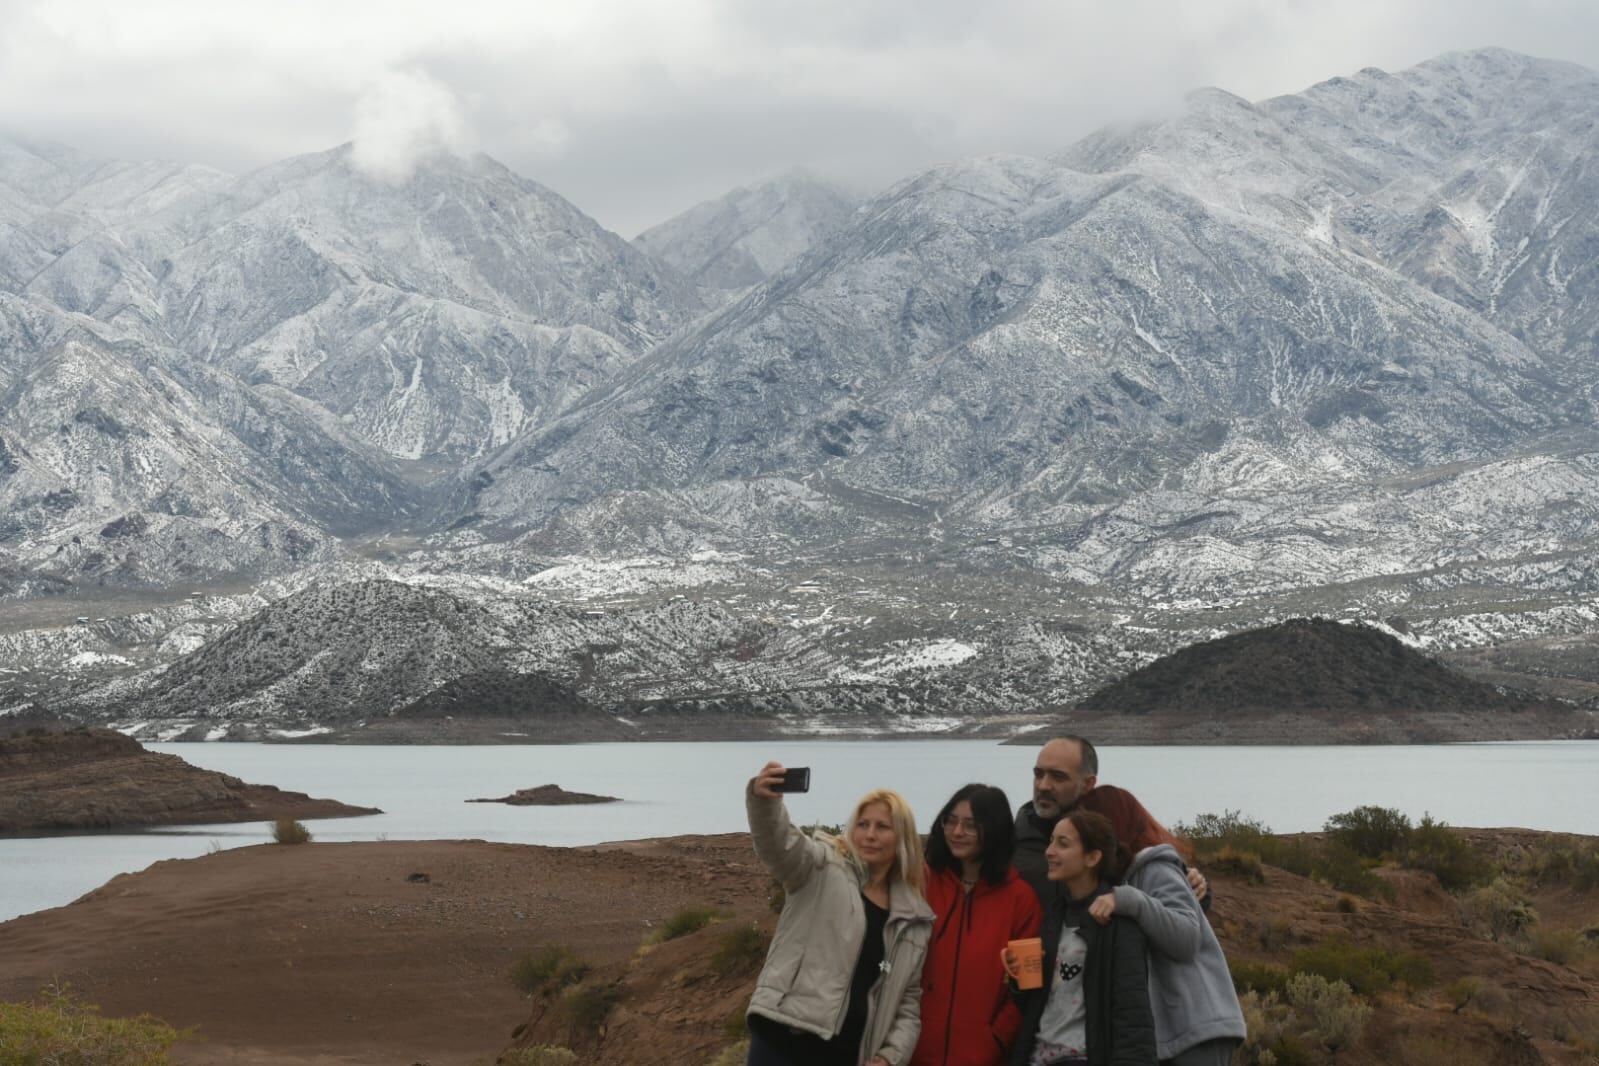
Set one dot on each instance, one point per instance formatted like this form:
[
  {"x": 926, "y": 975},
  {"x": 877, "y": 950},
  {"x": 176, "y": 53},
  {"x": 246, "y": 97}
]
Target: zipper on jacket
[{"x": 884, "y": 969}]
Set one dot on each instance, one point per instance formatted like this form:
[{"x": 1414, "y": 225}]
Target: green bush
[
  {"x": 1261, "y": 977},
  {"x": 686, "y": 921},
  {"x": 547, "y": 970},
  {"x": 289, "y": 831},
  {"x": 1232, "y": 836},
  {"x": 1209, "y": 833},
  {"x": 1445, "y": 854},
  {"x": 741, "y": 948},
  {"x": 1370, "y": 832},
  {"x": 60, "y": 1029},
  {"x": 585, "y": 1007},
  {"x": 1365, "y": 970}
]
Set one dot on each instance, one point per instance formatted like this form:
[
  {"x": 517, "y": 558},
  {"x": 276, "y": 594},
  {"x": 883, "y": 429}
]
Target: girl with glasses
[{"x": 968, "y": 1018}]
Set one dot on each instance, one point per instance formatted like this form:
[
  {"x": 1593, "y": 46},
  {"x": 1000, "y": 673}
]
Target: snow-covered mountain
[
  {"x": 744, "y": 237},
  {"x": 1333, "y": 350}
]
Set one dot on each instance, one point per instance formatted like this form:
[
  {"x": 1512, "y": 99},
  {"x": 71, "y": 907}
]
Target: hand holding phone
[
  {"x": 795, "y": 779},
  {"x": 775, "y": 779}
]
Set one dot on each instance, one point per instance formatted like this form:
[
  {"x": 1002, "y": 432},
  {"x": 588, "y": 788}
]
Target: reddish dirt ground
[{"x": 327, "y": 955}]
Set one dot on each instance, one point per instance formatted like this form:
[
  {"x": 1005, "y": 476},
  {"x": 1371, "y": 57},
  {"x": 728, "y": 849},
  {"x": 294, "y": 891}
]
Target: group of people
[{"x": 888, "y": 956}]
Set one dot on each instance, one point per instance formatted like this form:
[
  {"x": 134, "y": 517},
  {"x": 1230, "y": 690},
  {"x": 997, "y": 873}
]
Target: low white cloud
[{"x": 402, "y": 118}]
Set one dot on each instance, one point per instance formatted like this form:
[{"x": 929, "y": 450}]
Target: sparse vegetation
[
  {"x": 548, "y": 970},
  {"x": 61, "y": 1030},
  {"x": 1365, "y": 970},
  {"x": 686, "y": 921},
  {"x": 289, "y": 831},
  {"x": 1329, "y": 861},
  {"x": 1336, "y": 1016},
  {"x": 741, "y": 948},
  {"x": 1445, "y": 854},
  {"x": 732, "y": 1055},
  {"x": 542, "y": 1055},
  {"x": 1261, "y": 977},
  {"x": 586, "y": 1006}
]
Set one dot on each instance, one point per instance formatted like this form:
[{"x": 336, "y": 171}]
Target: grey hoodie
[{"x": 1190, "y": 987}]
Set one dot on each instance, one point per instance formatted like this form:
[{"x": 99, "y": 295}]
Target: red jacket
[{"x": 968, "y": 1018}]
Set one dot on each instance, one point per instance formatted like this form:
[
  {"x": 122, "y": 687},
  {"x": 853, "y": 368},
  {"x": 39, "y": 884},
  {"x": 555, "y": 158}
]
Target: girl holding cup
[{"x": 1094, "y": 1007}]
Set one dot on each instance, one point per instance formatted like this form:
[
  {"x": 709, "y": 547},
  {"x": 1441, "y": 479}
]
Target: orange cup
[{"x": 1029, "y": 958}]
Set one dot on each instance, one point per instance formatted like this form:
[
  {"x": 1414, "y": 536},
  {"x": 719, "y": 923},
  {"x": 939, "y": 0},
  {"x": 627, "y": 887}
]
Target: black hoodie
[{"x": 1120, "y": 1026}]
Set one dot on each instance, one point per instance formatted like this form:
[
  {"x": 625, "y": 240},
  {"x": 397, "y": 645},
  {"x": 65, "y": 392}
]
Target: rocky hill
[
  {"x": 98, "y": 779},
  {"x": 1321, "y": 680}
]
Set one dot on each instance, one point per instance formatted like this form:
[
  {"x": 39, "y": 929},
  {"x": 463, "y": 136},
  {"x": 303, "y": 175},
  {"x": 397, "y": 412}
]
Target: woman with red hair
[{"x": 1197, "y": 1018}]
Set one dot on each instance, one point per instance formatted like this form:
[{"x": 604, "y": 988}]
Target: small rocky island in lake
[
  {"x": 100, "y": 779},
  {"x": 547, "y": 796}
]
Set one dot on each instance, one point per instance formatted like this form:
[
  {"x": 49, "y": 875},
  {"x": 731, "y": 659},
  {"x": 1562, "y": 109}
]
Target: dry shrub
[
  {"x": 1462, "y": 993},
  {"x": 686, "y": 921},
  {"x": 1273, "y": 1029},
  {"x": 1273, "y": 933},
  {"x": 1337, "y": 1017},
  {"x": 1564, "y": 947},
  {"x": 548, "y": 970},
  {"x": 741, "y": 948},
  {"x": 62, "y": 1029},
  {"x": 289, "y": 831},
  {"x": 1259, "y": 977},
  {"x": 1238, "y": 862},
  {"x": 1499, "y": 910},
  {"x": 1347, "y": 904},
  {"x": 586, "y": 1007}
]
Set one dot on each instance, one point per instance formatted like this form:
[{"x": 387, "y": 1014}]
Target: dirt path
[{"x": 331, "y": 955}]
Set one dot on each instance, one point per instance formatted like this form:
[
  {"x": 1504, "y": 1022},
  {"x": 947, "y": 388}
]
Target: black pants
[
  {"x": 1217, "y": 1052},
  {"x": 772, "y": 1044}
]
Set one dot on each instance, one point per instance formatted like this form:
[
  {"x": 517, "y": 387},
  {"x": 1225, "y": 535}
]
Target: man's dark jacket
[
  {"x": 1032, "y": 837},
  {"x": 1120, "y": 1027}
]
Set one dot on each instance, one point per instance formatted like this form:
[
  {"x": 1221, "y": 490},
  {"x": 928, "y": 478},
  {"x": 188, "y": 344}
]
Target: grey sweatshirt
[{"x": 1190, "y": 987}]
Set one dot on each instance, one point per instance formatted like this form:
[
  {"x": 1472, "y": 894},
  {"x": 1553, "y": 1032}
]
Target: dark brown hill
[
  {"x": 100, "y": 779},
  {"x": 1313, "y": 680}
]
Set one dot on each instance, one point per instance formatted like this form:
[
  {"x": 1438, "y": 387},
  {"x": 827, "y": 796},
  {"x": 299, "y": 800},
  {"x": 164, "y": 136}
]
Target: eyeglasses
[{"x": 965, "y": 825}]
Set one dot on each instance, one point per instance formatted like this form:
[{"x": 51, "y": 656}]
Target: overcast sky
[{"x": 636, "y": 110}]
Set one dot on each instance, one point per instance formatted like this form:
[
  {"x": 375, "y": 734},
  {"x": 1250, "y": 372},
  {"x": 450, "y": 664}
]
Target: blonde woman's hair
[{"x": 907, "y": 842}]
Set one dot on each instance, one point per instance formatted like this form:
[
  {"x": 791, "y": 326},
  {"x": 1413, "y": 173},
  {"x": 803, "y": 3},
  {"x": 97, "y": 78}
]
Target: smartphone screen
[{"x": 796, "y": 779}]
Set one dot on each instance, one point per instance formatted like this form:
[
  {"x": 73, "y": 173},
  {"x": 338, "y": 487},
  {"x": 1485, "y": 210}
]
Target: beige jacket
[{"x": 805, "y": 982}]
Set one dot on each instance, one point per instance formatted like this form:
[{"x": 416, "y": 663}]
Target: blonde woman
[{"x": 842, "y": 980}]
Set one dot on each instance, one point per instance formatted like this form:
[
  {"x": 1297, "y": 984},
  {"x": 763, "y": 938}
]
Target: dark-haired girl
[
  {"x": 968, "y": 1018},
  {"x": 1094, "y": 1007}
]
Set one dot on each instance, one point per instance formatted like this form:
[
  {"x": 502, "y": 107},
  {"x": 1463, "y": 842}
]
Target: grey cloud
[{"x": 636, "y": 110}]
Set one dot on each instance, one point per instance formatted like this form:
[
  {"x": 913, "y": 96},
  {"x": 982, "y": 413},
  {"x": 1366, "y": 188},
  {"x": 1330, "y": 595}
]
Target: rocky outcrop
[
  {"x": 100, "y": 779},
  {"x": 1313, "y": 680},
  {"x": 547, "y": 796}
]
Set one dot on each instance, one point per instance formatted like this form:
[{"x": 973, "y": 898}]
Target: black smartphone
[{"x": 796, "y": 779}]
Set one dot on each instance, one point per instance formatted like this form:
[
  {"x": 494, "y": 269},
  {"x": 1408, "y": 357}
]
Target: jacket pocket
[{"x": 783, "y": 974}]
